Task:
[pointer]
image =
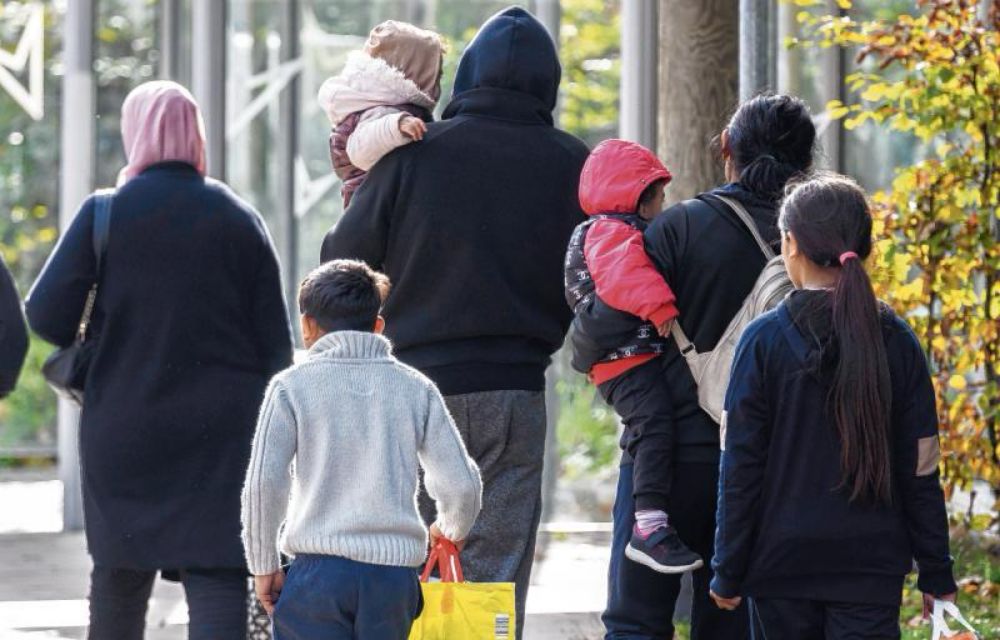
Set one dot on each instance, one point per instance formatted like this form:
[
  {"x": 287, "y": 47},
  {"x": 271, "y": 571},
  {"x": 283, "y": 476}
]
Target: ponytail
[
  {"x": 861, "y": 391},
  {"x": 831, "y": 221},
  {"x": 767, "y": 176}
]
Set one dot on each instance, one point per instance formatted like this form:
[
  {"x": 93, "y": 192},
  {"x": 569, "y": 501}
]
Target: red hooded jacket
[{"x": 613, "y": 178}]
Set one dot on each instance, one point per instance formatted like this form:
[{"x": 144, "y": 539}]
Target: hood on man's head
[{"x": 512, "y": 51}]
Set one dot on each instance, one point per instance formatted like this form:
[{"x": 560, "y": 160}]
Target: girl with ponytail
[{"x": 829, "y": 485}]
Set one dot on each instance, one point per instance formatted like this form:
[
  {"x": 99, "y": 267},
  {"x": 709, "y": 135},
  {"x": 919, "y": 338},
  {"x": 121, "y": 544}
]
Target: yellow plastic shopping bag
[{"x": 459, "y": 610}]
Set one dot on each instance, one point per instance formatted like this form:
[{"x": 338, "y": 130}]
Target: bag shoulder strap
[
  {"x": 683, "y": 343},
  {"x": 102, "y": 225},
  {"x": 99, "y": 238},
  {"x": 747, "y": 220}
]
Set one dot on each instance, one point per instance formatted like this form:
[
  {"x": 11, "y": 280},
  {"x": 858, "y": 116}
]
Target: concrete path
[{"x": 44, "y": 576}]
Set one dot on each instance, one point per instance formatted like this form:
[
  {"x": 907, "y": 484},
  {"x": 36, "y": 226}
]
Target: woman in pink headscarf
[
  {"x": 188, "y": 327},
  {"x": 161, "y": 122}
]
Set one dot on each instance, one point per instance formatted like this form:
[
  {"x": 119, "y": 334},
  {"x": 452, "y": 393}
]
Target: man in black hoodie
[{"x": 471, "y": 225}]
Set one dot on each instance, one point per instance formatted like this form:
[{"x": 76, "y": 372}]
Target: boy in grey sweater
[{"x": 355, "y": 422}]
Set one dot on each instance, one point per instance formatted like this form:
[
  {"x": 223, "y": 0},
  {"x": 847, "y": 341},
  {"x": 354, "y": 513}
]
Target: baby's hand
[
  {"x": 665, "y": 328},
  {"x": 412, "y": 127}
]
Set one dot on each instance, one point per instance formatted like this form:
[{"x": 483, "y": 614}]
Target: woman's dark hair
[
  {"x": 831, "y": 221},
  {"x": 771, "y": 140}
]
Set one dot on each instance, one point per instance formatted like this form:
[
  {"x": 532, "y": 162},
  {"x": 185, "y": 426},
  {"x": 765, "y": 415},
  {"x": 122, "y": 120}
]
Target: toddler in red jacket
[{"x": 617, "y": 292}]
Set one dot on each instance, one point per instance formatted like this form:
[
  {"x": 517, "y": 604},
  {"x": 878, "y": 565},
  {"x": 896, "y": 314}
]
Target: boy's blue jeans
[{"x": 339, "y": 599}]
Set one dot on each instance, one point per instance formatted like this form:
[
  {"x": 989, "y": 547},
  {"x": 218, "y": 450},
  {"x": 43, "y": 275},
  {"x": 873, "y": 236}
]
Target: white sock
[{"x": 649, "y": 520}]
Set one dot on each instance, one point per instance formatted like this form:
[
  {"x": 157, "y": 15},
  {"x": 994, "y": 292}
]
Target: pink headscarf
[{"x": 161, "y": 122}]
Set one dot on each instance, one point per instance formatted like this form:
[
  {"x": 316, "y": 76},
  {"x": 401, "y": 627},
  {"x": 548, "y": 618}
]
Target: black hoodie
[
  {"x": 471, "y": 224},
  {"x": 786, "y": 525}
]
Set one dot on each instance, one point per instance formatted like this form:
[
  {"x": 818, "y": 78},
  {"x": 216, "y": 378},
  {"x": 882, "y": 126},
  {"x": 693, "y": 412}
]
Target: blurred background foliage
[
  {"x": 933, "y": 75},
  {"x": 29, "y": 173}
]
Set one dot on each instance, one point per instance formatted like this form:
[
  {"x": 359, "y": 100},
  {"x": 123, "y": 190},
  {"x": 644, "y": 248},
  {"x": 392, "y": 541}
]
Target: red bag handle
[{"x": 444, "y": 555}]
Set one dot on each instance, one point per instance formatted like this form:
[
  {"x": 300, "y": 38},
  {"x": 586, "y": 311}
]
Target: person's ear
[
  {"x": 724, "y": 144},
  {"x": 310, "y": 329},
  {"x": 379, "y": 327},
  {"x": 793, "y": 244}
]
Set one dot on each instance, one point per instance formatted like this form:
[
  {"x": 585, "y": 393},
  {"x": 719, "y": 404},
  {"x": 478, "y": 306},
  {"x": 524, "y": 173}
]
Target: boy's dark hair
[
  {"x": 343, "y": 295},
  {"x": 649, "y": 193}
]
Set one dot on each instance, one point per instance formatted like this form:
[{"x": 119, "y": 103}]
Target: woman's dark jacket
[
  {"x": 711, "y": 262},
  {"x": 191, "y": 324},
  {"x": 471, "y": 223},
  {"x": 786, "y": 525},
  {"x": 13, "y": 333}
]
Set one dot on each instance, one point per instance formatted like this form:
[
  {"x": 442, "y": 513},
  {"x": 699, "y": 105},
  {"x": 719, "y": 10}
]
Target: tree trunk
[{"x": 699, "y": 83}]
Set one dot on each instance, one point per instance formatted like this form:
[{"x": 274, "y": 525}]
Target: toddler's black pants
[{"x": 640, "y": 396}]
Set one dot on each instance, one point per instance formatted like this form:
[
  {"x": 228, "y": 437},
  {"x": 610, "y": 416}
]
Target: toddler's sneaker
[{"x": 662, "y": 551}]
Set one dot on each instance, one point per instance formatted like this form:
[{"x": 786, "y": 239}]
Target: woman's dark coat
[
  {"x": 13, "y": 333},
  {"x": 191, "y": 324}
]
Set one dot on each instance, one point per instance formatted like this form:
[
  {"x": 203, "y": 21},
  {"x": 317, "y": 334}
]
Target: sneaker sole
[{"x": 635, "y": 555}]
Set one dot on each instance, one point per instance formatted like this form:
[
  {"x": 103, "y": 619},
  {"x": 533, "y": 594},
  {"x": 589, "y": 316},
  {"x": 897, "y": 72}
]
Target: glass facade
[
  {"x": 263, "y": 69},
  {"x": 277, "y": 54}
]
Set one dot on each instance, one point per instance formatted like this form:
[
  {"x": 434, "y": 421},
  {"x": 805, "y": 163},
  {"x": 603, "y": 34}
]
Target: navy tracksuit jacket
[{"x": 786, "y": 526}]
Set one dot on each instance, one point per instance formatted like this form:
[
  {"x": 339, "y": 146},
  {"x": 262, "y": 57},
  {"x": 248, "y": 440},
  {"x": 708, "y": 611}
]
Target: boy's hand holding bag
[{"x": 455, "y": 609}]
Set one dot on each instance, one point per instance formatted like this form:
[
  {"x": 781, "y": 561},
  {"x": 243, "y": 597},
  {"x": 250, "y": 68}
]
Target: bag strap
[
  {"x": 748, "y": 222},
  {"x": 99, "y": 239},
  {"x": 444, "y": 555},
  {"x": 685, "y": 345},
  {"x": 102, "y": 225}
]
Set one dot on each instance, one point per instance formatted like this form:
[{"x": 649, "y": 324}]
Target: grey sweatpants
[{"x": 504, "y": 432}]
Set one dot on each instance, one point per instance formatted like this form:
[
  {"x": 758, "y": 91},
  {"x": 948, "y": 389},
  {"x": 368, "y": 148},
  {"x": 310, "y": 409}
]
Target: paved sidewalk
[{"x": 44, "y": 577}]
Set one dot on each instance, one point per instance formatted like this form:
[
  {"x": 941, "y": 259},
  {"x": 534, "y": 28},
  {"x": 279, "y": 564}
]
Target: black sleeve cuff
[
  {"x": 725, "y": 588},
  {"x": 938, "y": 583}
]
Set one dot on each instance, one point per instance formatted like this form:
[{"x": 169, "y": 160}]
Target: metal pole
[
  {"x": 288, "y": 151},
  {"x": 834, "y": 65},
  {"x": 640, "y": 60},
  {"x": 76, "y": 182},
  {"x": 789, "y": 60},
  {"x": 549, "y": 13},
  {"x": 208, "y": 77},
  {"x": 758, "y": 62},
  {"x": 170, "y": 40}
]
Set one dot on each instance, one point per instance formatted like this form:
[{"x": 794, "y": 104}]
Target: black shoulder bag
[{"x": 66, "y": 369}]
